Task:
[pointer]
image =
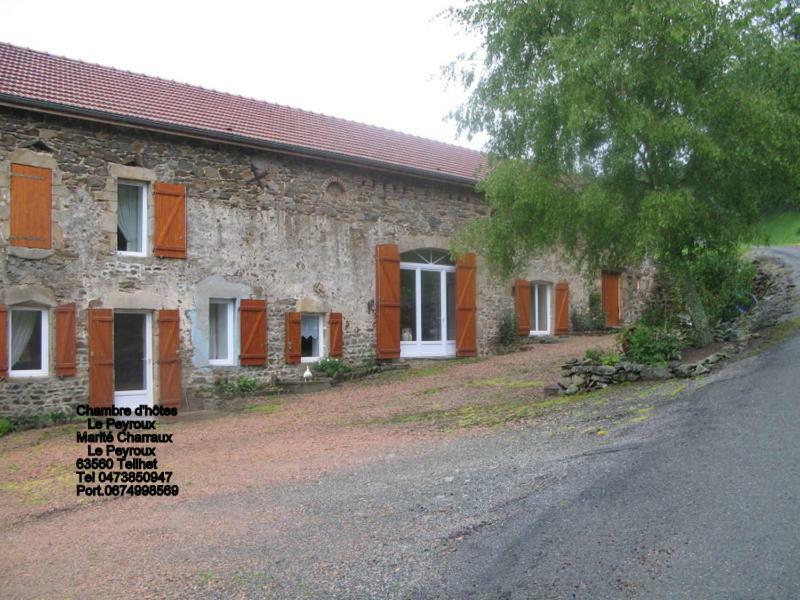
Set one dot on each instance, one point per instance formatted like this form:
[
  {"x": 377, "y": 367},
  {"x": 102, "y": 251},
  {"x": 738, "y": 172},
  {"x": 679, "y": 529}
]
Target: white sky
[{"x": 376, "y": 61}]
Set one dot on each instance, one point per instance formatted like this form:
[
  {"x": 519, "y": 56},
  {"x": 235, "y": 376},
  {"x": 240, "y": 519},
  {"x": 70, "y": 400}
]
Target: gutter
[{"x": 65, "y": 110}]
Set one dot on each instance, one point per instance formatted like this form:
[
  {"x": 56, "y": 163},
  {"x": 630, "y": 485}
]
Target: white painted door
[
  {"x": 133, "y": 359},
  {"x": 427, "y": 310}
]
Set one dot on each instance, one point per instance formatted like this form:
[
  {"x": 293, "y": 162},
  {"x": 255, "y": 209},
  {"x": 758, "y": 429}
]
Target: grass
[
  {"x": 264, "y": 409},
  {"x": 503, "y": 382},
  {"x": 436, "y": 368},
  {"x": 782, "y": 229}
]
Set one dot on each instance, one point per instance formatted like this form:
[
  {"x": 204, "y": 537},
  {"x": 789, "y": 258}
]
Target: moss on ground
[{"x": 264, "y": 409}]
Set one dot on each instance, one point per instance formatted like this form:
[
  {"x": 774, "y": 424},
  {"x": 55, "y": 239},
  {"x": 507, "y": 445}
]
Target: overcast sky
[{"x": 372, "y": 61}]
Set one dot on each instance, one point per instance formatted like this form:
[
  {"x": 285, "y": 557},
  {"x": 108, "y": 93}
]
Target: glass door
[
  {"x": 133, "y": 366},
  {"x": 427, "y": 310}
]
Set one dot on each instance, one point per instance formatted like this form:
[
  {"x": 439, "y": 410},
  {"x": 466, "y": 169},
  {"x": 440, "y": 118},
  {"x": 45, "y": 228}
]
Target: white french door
[
  {"x": 427, "y": 312},
  {"x": 133, "y": 359}
]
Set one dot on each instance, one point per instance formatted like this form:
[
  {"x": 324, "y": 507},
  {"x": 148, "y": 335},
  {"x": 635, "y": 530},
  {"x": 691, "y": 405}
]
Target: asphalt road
[{"x": 706, "y": 507}]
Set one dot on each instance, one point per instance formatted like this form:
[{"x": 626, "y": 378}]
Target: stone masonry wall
[{"x": 298, "y": 232}]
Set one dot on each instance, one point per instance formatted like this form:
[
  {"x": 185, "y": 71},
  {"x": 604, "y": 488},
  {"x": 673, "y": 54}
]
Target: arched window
[{"x": 427, "y": 310}]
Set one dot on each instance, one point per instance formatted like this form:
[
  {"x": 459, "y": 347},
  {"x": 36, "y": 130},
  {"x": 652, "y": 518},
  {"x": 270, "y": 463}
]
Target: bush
[
  {"x": 331, "y": 367},
  {"x": 724, "y": 282},
  {"x": 649, "y": 345},
  {"x": 236, "y": 387},
  {"x": 591, "y": 319},
  {"x": 5, "y": 426},
  {"x": 507, "y": 330},
  {"x": 602, "y": 357}
]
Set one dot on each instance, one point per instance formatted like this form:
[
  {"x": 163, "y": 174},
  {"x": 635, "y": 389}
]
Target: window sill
[
  {"x": 539, "y": 333},
  {"x": 309, "y": 359},
  {"x": 30, "y": 253},
  {"x": 221, "y": 363},
  {"x": 28, "y": 374},
  {"x": 131, "y": 254}
]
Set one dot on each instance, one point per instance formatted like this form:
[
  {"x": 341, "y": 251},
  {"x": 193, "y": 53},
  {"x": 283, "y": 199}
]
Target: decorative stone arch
[{"x": 334, "y": 188}]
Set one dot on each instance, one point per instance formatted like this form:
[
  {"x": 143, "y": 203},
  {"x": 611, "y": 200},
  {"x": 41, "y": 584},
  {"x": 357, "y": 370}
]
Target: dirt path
[{"x": 234, "y": 471}]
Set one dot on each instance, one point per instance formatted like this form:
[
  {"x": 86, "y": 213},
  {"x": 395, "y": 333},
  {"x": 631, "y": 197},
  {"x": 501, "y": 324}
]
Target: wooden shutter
[
  {"x": 466, "y": 306},
  {"x": 169, "y": 359},
  {"x": 522, "y": 304},
  {"x": 610, "y": 284},
  {"x": 253, "y": 332},
  {"x": 31, "y": 206},
  {"x": 3, "y": 341},
  {"x": 562, "y": 308},
  {"x": 291, "y": 339},
  {"x": 101, "y": 356},
  {"x": 65, "y": 341},
  {"x": 337, "y": 335},
  {"x": 170, "y": 220},
  {"x": 387, "y": 302}
]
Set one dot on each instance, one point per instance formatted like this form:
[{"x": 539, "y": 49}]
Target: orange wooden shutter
[
  {"x": 3, "y": 341},
  {"x": 387, "y": 304},
  {"x": 169, "y": 358},
  {"x": 170, "y": 208},
  {"x": 31, "y": 206},
  {"x": 337, "y": 335},
  {"x": 253, "y": 332},
  {"x": 101, "y": 356},
  {"x": 562, "y": 308},
  {"x": 610, "y": 292},
  {"x": 291, "y": 339},
  {"x": 65, "y": 341},
  {"x": 466, "y": 306},
  {"x": 522, "y": 304}
]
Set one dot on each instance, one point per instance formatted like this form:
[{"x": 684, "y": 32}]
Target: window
[
  {"x": 310, "y": 338},
  {"x": 27, "y": 344},
  {"x": 132, "y": 218},
  {"x": 220, "y": 330},
  {"x": 540, "y": 308},
  {"x": 427, "y": 303}
]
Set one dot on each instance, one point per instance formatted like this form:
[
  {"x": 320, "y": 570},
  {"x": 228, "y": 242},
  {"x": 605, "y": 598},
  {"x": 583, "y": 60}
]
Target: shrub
[
  {"x": 5, "y": 426},
  {"x": 507, "y": 330},
  {"x": 591, "y": 319},
  {"x": 724, "y": 282},
  {"x": 331, "y": 367},
  {"x": 649, "y": 345},
  {"x": 236, "y": 387},
  {"x": 599, "y": 356}
]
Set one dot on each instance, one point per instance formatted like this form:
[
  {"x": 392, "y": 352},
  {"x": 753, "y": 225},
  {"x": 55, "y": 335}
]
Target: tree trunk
[{"x": 703, "y": 334}]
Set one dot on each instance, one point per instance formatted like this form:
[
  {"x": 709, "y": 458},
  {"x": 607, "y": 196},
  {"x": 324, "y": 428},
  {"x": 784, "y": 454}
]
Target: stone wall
[{"x": 300, "y": 233}]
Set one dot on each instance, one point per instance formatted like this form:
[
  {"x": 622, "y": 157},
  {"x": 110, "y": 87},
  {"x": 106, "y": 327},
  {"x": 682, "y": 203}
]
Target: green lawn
[{"x": 780, "y": 230}]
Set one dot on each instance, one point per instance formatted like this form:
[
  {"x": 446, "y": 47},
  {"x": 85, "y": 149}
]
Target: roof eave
[{"x": 228, "y": 138}]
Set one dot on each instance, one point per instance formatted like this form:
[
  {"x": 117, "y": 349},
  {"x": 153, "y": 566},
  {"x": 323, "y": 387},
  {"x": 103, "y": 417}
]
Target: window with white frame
[
  {"x": 311, "y": 344},
  {"x": 541, "y": 294},
  {"x": 132, "y": 218},
  {"x": 28, "y": 342},
  {"x": 221, "y": 329}
]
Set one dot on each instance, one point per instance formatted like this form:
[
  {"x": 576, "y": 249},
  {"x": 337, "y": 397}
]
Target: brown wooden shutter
[
  {"x": 169, "y": 359},
  {"x": 170, "y": 209},
  {"x": 253, "y": 332},
  {"x": 466, "y": 306},
  {"x": 31, "y": 206},
  {"x": 65, "y": 341},
  {"x": 101, "y": 356},
  {"x": 562, "y": 308},
  {"x": 337, "y": 335},
  {"x": 610, "y": 284},
  {"x": 522, "y": 304},
  {"x": 291, "y": 339},
  {"x": 387, "y": 303},
  {"x": 3, "y": 341}
]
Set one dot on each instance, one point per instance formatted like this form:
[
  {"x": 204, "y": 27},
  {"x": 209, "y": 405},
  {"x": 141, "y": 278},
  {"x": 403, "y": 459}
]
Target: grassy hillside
[{"x": 780, "y": 230}]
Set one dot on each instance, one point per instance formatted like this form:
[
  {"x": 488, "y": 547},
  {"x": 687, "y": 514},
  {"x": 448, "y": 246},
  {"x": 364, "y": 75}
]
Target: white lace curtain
[
  {"x": 128, "y": 216},
  {"x": 23, "y": 324}
]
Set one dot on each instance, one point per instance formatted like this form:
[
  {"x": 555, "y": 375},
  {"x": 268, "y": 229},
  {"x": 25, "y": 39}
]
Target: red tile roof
[{"x": 32, "y": 78}]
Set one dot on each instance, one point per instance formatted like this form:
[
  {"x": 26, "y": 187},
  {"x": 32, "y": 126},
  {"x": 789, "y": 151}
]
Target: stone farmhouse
[{"x": 155, "y": 236}]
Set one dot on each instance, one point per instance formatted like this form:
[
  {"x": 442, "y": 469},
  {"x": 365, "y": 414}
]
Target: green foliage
[
  {"x": 602, "y": 357},
  {"x": 507, "y": 330},
  {"x": 724, "y": 282},
  {"x": 331, "y": 367},
  {"x": 5, "y": 426},
  {"x": 236, "y": 387},
  {"x": 592, "y": 319},
  {"x": 780, "y": 229},
  {"x": 649, "y": 345},
  {"x": 625, "y": 130}
]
